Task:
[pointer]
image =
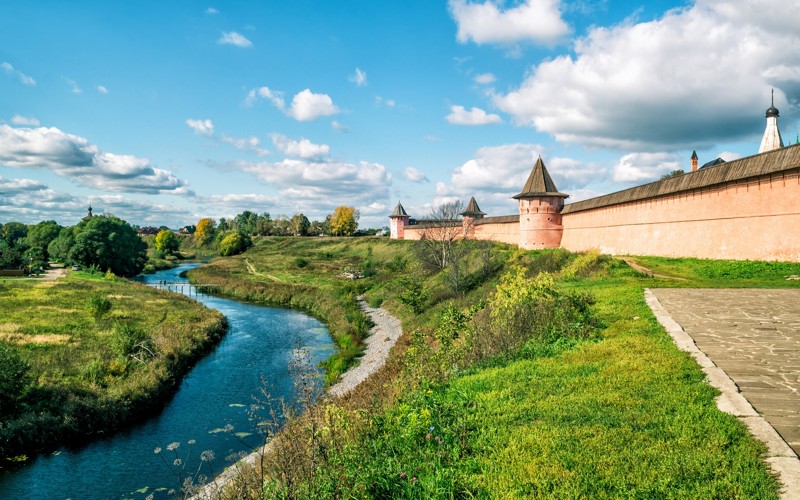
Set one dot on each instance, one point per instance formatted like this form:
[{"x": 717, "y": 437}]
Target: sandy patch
[{"x": 41, "y": 339}]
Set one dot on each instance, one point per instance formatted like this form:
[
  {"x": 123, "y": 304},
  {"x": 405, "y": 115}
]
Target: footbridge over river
[{"x": 187, "y": 288}]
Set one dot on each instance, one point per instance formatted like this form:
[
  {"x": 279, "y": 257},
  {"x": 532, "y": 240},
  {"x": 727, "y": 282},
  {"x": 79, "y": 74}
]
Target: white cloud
[
  {"x": 25, "y": 121},
  {"x": 485, "y": 78},
  {"x": 246, "y": 144},
  {"x": 307, "y": 106},
  {"x": 234, "y": 38},
  {"x": 693, "y": 78},
  {"x": 536, "y": 21},
  {"x": 359, "y": 78},
  {"x": 381, "y": 101},
  {"x": 212, "y": 10},
  {"x": 475, "y": 116},
  {"x": 414, "y": 175},
  {"x": 9, "y": 70},
  {"x": 73, "y": 85},
  {"x": 315, "y": 187},
  {"x": 202, "y": 127},
  {"x": 303, "y": 148},
  {"x": 276, "y": 98},
  {"x": 641, "y": 167},
  {"x": 339, "y": 127},
  {"x": 75, "y": 158},
  {"x": 102, "y": 89}
]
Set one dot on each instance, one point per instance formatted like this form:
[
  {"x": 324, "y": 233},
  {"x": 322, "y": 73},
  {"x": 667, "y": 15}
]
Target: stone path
[{"x": 751, "y": 336}]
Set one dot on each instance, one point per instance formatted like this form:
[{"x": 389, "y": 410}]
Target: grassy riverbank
[
  {"x": 588, "y": 398},
  {"x": 102, "y": 352}
]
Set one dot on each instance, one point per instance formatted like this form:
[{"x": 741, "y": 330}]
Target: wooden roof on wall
[{"x": 771, "y": 162}]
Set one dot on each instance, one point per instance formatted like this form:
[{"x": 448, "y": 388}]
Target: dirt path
[
  {"x": 380, "y": 341},
  {"x": 638, "y": 267},
  {"x": 252, "y": 270},
  {"x": 56, "y": 271}
]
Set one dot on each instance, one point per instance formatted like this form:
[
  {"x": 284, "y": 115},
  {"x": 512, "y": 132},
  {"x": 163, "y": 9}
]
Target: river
[{"x": 217, "y": 392}]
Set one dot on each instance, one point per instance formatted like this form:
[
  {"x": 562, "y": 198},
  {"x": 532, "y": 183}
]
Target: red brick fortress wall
[{"x": 748, "y": 209}]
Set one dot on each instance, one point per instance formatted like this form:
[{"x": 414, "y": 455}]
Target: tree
[
  {"x": 440, "y": 231},
  {"x": 205, "y": 230},
  {"x": 264, "y": 224},
  {"x": 344, "y": 221},
  {"x": 234, "y": 244},
  {"x": 300, "y": 225},
  {"x": 166, "y": 241},
  {"x": 58, "y": 249},
  {"x": 41, "y": 235},
  {"x": 674, "y": 173},
  {"x": 110, "y": 244},
  {"x": 245, "y": 222},
  {"x": 13, "y": 232}
]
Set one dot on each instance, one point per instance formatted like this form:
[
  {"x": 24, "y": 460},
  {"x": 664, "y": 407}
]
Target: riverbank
[{"x": 96, "y": 355}]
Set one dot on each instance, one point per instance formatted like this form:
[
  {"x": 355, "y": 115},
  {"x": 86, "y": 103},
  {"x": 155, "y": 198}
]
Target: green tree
[
  {"x": 110, "y": 244},
  {"x": 300, "y": 225},
  {"x": 166, "y": 241},
  {"x": 58, "y": 249},
  {"x": 41, "y": 235},
  {"x": 344, "y": 221},
  {"x": 13, "y": 378},
  {"x": 9, "y": 256},
  {"x": 245, "y": 222},
  {"x": 234, "y": 244},
  {"x": 205, "y": 230},
  {"x": 264, "y": 224},
  {"x": 13, "y": 232}
]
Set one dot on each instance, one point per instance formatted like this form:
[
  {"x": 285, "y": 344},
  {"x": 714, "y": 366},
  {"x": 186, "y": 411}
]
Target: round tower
[
  {"x": 540, "y": 206},
  {"x": 398, "y": 222}
]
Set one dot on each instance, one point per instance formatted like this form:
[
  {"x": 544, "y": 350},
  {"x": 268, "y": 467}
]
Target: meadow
[
  {"x": 99, "y": 353},
  {"x": 544, "y": 375}
]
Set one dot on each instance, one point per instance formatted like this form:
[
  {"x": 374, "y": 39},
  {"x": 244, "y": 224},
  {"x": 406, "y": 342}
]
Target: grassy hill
[{"x": 544, "y": 374}]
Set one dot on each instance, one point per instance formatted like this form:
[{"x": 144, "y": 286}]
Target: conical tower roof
[
  {"x": 539, "y": 183},
  {"x": 472, "y": 208},
  {"x": 399, "y": 211}
]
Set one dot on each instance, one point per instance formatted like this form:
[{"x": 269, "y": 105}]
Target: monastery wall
[
  {"x": 504, "y": 229},
  {"x": 756, "y": 218}
]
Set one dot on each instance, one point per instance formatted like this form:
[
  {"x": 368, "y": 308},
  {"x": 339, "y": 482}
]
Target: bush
[
  {"x": 300, "y": 262},
  {"x": 99, "y": 306},
  {"x": 234, "y": 244},
  {"x": 132, "y": 341},
  {"x": 13, "y": 378},
  {"x": 413, "y": 295}
]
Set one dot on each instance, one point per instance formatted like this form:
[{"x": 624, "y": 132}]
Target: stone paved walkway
[{"x": 754, "y": 336}]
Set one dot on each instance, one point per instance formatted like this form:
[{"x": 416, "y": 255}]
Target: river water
[{"x": 217, "y": 392}]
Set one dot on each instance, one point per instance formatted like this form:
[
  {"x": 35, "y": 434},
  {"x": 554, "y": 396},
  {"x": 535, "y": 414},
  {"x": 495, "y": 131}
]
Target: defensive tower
[
  {"x": 470, "y": 215},
  {"x": 772, "y": 135},
  {"x": 540, "y": 206},
  {"x": 398, "y": 222}
]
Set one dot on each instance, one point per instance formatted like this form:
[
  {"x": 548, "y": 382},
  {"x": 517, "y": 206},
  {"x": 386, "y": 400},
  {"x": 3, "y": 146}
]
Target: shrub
[
  {"x": 130, "y": 340},
  {"x": 413, "y": 295},
  {"x": 300, "y": 262},
  {"x": 99, "y": 306},
  {"x": 13, "y": 378},
  {"x": 397, "y": 264},
  {"x": 234, "y": 244}
]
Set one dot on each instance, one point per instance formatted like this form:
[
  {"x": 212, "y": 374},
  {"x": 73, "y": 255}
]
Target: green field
[
  {"x": 575, "y": 404},
  {"x": 101, "y": 353}
]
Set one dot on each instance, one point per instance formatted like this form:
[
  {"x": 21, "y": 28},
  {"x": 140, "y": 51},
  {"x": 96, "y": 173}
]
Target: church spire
[{"x": 772, "y": 136}]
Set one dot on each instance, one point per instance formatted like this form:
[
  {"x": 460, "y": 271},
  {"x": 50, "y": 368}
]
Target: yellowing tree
[
  {"x": 344, "y": 221},
  {"x": 205, "y": 230},
  {"x": 166, "y": 241}
]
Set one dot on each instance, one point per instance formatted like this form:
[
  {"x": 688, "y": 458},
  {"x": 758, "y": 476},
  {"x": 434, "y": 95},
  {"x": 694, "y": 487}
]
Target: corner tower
[
  {"x": 540, "y": 206},
  {"x": 470, "y": 215},
  {"x": 398, "y": 222},
  {"x": 772, "y": 136}
]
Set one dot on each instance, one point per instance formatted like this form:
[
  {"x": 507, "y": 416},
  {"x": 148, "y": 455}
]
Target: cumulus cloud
[
  {"x": 696, "y": 76},
  {"x": 475, "y": 116},
  {"x": 75, "y": 158},
  {"x": 414, "y": 175},
  {"x": 537, "y": 21},
  {"x": 317, "y": 187},
  {"x": 30, "y": 201},
  {"x": 25, "y": 121},
  {"x": 644, "y": 167},
  {"x": 252, "y": 144},
  {"x": 303, "y": 148},
  {"x": 102, "y": 89},
  {"x": 9, "y": 70},
  {"x": 307, "y": 106},
  {"x": 234, "y": 38},
  {"x": 201, "y": 127},
  {"x": 485, "y": 79},
  {"x": 359, "y": 77}
]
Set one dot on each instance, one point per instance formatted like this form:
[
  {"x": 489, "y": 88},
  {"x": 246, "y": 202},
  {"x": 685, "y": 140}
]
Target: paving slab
[{"x": 748, "y": 343}]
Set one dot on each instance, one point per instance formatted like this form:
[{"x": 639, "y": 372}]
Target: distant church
[{"x": 743, "y": 209}]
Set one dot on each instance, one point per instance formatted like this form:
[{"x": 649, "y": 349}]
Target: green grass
[
  {"x": 83, "y": 384},
  {"x": 625, "y": 414}
]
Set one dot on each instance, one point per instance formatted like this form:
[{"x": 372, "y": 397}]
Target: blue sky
[{"x": 165, "y": 112}]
